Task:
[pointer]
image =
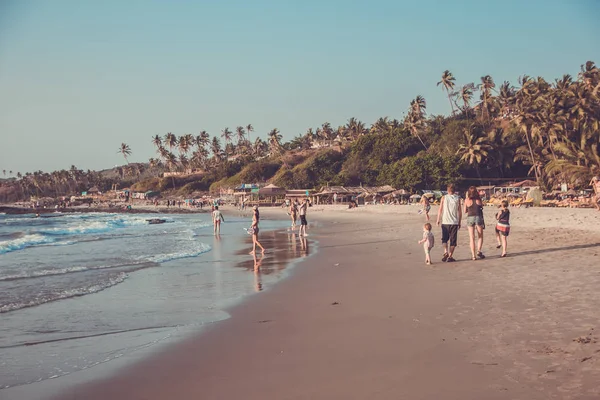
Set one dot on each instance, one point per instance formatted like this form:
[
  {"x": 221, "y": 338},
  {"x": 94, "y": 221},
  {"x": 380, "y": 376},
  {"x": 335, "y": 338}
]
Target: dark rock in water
[{"x": 154, "y": 221}]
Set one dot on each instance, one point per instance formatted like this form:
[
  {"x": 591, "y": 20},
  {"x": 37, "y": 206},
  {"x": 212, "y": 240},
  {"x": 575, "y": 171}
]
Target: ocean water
[{"x": 79, "y": 290}]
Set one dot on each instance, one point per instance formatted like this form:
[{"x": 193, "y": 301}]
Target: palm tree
[
  {"x": 506, "y": 98},
  {"x": 382, "y": 125},
  {"x": 185, "y": 143},
  {"x": 275, "y": 140},
  {"x": 154, "y": 163},
  {"x": 163, "y": 152},
  {"x": 183, "y": 161},
  {"x": 526, "y": 109},
  {"x": 157, "y": 141},
  {"x": 203, "y": 139},
  {"x": 465, "y": 95},
  {"x": 447, "y": 83},
  {"x": 474, "y": 150},
  {"x": 199, "y": 157},
  {"x": 501, "y": 148},
  {"x": 125, "y": 150},
  {"x": 240, "y": 134},
  {"x": 249, "y": 128},
  {"x": 415, "y": 119},
  {"x": 418, "y": 106},
  {"x": 170, "y": 140},
  {"x": 226, "y": 135},
  {"x": 327, "y": 131},
  {"x": 485, "y": 87},
  {"x": 258, "y": 147},
  {"x": 215, "y": 148},
  {"x": 355, "y": 128}
]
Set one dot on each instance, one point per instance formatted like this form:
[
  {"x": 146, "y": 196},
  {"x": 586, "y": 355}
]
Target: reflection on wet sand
[
  {"x": 257, "y": 273},
  {"x": 282, "y": 247}
]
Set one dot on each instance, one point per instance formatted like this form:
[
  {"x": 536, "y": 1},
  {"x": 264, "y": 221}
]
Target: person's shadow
[{"x": 550, "y": 250}]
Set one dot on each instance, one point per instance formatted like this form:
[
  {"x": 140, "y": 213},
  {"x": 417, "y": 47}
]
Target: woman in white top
[{"x": 217, "y": 217}]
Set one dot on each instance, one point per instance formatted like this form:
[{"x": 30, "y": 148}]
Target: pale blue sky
[{"x": 79, "y": 77}]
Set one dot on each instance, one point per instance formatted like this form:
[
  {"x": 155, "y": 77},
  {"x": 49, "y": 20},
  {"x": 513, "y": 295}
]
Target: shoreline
[
  {"x": 11, "y": 210},
  {"x": 276, "y": 266},
  {"x": 365, "y": 318}
]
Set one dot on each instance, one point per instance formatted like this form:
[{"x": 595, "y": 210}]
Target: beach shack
[
  {"x": 244, "y": 192},
  {"x": 271, "y": 194},
  {"x": 400, "y": 195},
  {"x": 299, "y": 194},
  {"x": 340, "y": 193},
  {"x": 93, "y": 191}
]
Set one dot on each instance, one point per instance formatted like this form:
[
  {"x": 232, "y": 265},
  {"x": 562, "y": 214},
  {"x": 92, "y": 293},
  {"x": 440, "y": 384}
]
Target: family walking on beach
[{"x": 450, "y": 216}]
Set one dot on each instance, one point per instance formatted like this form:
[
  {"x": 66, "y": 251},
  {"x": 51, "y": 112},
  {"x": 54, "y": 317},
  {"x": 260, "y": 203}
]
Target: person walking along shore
[
  {"x": 217, "y": 218},
  {"x": 475, "y": 223},
  {"x": 503, "y": 227},
  {"x": 449, "y": 215},
  {"x": 255, "y": 230}
]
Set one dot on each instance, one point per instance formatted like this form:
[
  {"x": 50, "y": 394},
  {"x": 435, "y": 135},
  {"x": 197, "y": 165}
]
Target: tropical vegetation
[{"x": 549, "y": 131}]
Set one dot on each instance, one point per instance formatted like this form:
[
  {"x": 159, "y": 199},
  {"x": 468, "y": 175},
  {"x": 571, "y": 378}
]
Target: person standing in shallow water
[
  {"x": 293, "y": 213},
  {"x": 303, "y": 222},
  {"x": 473, "y": 209},
  {"x": 449, "y": 215},
  {"x": 217, "y": 218},
  {"x": 255, "y": 230}
]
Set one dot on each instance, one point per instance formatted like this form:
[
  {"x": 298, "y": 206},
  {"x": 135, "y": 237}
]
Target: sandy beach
[{"x": 366, "y": 318}]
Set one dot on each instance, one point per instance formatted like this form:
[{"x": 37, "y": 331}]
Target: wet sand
[{"x": 365, "y": 318}]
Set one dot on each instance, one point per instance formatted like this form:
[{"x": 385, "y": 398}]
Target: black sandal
[{"x": 480, "y": 255}]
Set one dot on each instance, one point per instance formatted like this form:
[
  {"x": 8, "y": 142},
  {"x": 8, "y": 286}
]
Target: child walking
[
  {"x": 426, "y": 207},
  {"x": 427, "y": 242},
  {"x": 503, "y": 227}
]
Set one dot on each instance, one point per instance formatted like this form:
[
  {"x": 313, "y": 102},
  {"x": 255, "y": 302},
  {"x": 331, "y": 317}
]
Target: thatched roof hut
[{"x": 271, "y": 190}]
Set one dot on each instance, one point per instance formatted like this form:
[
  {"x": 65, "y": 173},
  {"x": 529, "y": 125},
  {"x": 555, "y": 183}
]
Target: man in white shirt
[{"x": 450, "y": 214}]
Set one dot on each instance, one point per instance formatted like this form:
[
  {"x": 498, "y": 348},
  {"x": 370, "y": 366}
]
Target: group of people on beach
[
  {"x": 450, "y": 217},
  {"x": 296, "y": 209},
  {"x": 217, "y": 218}
]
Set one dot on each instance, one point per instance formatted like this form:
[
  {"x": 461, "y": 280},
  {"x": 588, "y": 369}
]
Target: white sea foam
[
  {"x": 66, "y": 294},
  {"x": 195, "y": 250},
  {"x": 103, "y": 224},
  {"x": 67, "y": 270},
  {"x": 23, "y": 242}
]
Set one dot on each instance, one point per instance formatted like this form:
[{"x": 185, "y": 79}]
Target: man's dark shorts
[
  {"x": 449, "y": 234},
  {"x": 303, "y": 220}
]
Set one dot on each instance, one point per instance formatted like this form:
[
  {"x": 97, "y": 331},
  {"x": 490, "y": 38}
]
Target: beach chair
[{"x": 516, "y": 202}]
